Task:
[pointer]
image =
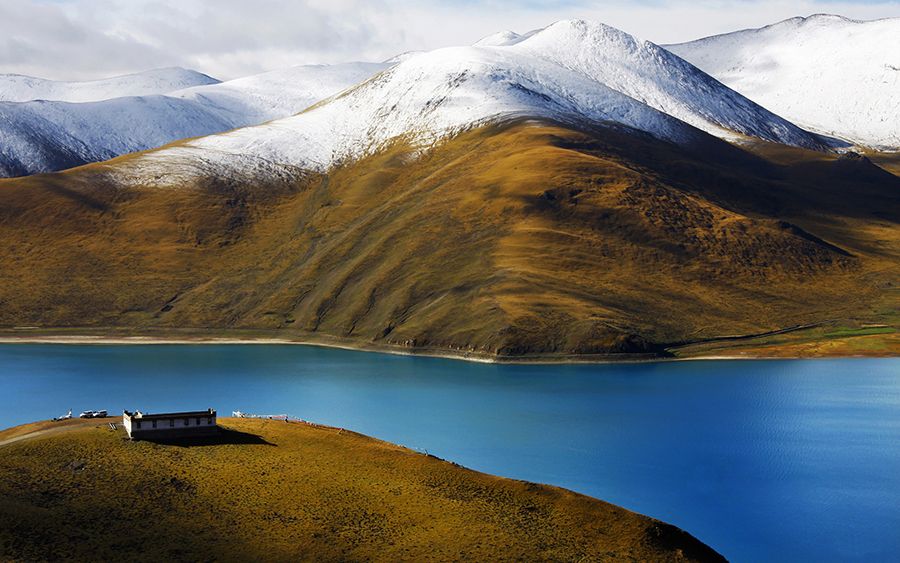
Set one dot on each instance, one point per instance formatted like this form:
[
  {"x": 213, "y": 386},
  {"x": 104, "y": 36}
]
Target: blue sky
[{"x": 88, "y": 39}]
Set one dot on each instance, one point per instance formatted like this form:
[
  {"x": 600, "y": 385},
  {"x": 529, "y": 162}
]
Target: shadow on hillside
[{"x": 222, "y": 437}]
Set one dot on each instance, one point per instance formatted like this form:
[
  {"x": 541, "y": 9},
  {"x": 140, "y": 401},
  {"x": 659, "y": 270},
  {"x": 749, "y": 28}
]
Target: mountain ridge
[
  {"x": 617, "y": 80},
  {"x": 20, "y": 88},
  {"x": 612, "y": 77},
  {"x": 45, "y": 136}
]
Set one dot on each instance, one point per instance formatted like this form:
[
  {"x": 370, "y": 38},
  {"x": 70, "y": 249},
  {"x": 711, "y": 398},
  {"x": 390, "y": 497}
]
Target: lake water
[{"x": 765, "y": 461}]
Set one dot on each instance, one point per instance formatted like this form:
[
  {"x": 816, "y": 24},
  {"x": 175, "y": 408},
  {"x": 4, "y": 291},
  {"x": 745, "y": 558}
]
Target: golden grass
[
  {"x": 517, "y": 240},
  {"x": 276, "y": 491},
  {"x": 819, "y": 342}
]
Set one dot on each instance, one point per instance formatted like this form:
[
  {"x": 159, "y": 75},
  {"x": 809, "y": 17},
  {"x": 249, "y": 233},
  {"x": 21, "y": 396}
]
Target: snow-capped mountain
[
  {"x": 18, "y": 88},
  {"x": 829, "y": 74},
  {"x": 42, "y": 136},
  {"x": 650, "y": 74},
  {"x": 571, "y": 71}
]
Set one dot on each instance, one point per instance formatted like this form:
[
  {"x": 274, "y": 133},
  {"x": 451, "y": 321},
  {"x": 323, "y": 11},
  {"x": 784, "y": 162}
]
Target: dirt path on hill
[
  {"x": 751, "y": 336},
  {"x": 36, "y": 429}
]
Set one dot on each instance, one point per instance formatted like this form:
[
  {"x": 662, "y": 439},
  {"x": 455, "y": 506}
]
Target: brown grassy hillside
[
  {"x": 509, "y": 240},
  {"x": 274, "y": 491}
]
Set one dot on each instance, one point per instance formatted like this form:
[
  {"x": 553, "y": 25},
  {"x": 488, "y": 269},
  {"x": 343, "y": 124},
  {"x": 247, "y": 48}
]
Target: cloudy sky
[{"x": 89, "y": 39}]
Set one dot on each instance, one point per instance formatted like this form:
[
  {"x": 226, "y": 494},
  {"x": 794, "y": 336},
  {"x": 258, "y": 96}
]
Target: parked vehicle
[
  {"x": 87, "y": 414},
  {"x": 100, "y": 414}
]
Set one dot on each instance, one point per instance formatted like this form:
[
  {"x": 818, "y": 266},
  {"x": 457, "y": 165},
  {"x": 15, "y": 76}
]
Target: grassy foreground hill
[
  {"x": 516, "y": 240},
  {"x": 276, "y": 491}
]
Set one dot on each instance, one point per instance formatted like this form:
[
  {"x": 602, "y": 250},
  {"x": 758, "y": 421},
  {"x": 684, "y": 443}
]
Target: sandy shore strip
[
  {"x": 326, "y": 342},
  {"x": 59, "y": 339},
  {"x": 36, "y": 335}
]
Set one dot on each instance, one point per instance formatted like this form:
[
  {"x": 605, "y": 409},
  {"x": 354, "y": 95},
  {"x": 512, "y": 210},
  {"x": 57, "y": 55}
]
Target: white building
[{"x": 143, "y": 426}]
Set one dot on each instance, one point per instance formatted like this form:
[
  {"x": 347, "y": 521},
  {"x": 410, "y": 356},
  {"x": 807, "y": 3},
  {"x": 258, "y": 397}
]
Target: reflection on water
[{"x": 765, "y": 461}]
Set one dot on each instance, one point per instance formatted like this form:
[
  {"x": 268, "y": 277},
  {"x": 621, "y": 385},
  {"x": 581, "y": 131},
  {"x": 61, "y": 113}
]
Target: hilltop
[{"x": 276, "y": 491}]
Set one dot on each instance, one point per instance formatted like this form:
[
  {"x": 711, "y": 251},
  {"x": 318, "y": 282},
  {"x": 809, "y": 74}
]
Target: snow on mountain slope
[
  {"x": 403, "y": 56},
  {"x": 18, "y": 88},
  {"x": 504, "y": 39},
  {"x": 43, "y": 136},
  {"x": 280, "y": 93},
  {"x": 652, "y": 75},
  {"x": 571, "y": 71},
  {"x": 829, "y": 74}
]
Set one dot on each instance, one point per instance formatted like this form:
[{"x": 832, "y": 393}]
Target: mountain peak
[{"x": 502, "y": 39}]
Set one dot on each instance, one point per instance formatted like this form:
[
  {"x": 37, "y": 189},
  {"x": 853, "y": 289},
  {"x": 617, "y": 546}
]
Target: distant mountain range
[
  {"x": 18, "y": 88},
  {"x": 829, "y": 75},
  {"x": 47, "y": 126},
  {"x": 570, "y": 191},
  {"x": 571, "y": 71}
]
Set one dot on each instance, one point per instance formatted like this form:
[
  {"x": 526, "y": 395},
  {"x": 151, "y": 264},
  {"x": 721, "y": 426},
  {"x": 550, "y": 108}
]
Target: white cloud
[{"x": 85, "y": 39}]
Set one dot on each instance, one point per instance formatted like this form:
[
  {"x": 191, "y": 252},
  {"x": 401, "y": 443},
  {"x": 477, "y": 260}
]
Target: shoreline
[
  {"x": 329, "y": 342},
  {"x": 325, "y": 341}
]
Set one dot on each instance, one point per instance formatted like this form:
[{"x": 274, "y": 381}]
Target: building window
[
  {"x": 154, "y": 424},
  {"x": 171, "y": 422},
  {"x": 138, "y": 425},
  {"x": 187, "y": 421}
]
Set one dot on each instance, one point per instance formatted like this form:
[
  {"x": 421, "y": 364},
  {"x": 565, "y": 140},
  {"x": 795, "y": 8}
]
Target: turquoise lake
[{"x": 765, "y": 461}]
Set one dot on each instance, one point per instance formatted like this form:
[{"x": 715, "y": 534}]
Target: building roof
[{"x": 167, "y": 415}]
